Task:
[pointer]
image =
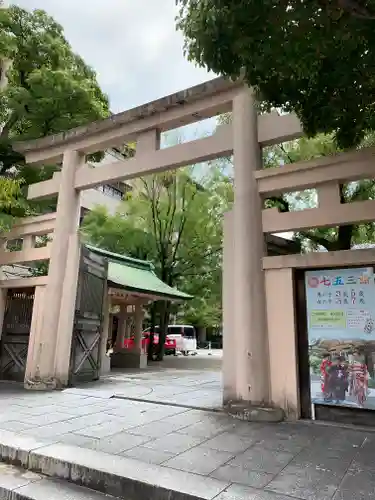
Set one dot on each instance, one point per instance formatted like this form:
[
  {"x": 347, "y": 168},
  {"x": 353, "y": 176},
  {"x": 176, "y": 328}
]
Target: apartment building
[{"x": 108, "y": 195}]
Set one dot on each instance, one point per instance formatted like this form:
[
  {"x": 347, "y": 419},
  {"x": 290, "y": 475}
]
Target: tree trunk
[
  {"x": 164, "y": 320},
  {"x": 345, "y": 233},
  {"x": 202, "y": 334},
  {"x": 150, "y": 350},
  {"x": 344, "y": 238}
]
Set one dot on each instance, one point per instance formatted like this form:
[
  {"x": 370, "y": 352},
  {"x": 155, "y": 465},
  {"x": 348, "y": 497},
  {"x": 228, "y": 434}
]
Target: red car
[{"x": 169, "y": 345}]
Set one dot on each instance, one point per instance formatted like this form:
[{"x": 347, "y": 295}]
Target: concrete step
[
  {"x": 114, "y": 475},
  {"x": 20, "y": 484}
]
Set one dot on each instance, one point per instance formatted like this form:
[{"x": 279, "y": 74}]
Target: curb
[
  {"x": 20, "y": 484},
  {"x": 109, "y": 474}
]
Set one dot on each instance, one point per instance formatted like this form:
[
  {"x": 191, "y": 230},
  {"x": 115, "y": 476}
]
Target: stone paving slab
[
  {"x": 237, "y": 492},
  {"x": 187, "y": 388},
  {"x": 234, "y": 459},
  {"x": 12, "y": 478}
]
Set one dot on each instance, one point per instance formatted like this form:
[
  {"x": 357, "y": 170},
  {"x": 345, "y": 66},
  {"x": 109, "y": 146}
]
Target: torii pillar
[
  {"x": 245, "y": 363},
  {"x": 48, "y": 368}
]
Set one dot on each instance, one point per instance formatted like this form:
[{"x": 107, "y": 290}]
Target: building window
[{"x": 111, "y": 191}]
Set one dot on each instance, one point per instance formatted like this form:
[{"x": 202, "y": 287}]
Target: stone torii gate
[{"x": 244, "y": 293}]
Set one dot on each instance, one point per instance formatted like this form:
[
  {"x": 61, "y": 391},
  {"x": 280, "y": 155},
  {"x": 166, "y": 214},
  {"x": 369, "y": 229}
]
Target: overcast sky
[{"x": 132, "y": 44}]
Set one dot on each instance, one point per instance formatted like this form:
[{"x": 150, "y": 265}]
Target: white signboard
[{"x": 340, "y": 307}]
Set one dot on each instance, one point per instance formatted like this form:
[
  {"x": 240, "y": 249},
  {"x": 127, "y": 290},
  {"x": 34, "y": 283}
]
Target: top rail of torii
[{"x": 187, "y": 106}]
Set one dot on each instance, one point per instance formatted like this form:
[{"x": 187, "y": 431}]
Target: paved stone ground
[
  {"x": 177, "y": 387},
  {"x": 261, "y": 462}
]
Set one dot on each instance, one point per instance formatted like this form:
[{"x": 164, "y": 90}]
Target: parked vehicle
[
  {"x": 169, "y": 344},
  {"x": 184, "y": 335}
]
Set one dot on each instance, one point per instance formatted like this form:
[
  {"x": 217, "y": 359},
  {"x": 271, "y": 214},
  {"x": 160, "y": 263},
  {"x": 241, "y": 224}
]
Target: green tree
[
  {"x": 50, "y": 89},
  {"x": 11, "y": 201},
  {"x": 315, "y": 58},
  {"x": 175, "y": 222},
  {"x": 204, "y": 310}
]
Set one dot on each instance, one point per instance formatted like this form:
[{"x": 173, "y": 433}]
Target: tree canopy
[
  {"x": 12, "y": 203},
  {"x": 50, "y": 88},
  {"x": 315, "y": 58}
]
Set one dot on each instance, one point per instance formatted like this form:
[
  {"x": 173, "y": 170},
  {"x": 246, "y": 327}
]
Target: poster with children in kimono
[{"x": 340, "y": 307}]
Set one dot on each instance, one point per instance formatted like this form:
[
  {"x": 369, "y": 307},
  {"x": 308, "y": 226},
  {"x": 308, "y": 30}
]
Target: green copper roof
[{"x": 137, "y": 276}]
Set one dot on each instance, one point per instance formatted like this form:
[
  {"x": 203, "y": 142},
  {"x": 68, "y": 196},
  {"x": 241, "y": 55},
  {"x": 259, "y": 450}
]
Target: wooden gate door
[
  {"x": 16, "y": 333},
  {"x": 87, "y": 329}
]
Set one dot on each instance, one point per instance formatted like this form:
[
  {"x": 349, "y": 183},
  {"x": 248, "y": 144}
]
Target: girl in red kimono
[{"x": 326, "y": 363}]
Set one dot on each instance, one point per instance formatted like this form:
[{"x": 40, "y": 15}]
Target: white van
[{"x": 184, "y": 335}]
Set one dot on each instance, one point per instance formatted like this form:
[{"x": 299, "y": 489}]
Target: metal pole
[{"x": 209, "y": 348}]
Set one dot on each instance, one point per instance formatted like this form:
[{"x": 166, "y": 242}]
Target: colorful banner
[{"x": 341, "y": 330}]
